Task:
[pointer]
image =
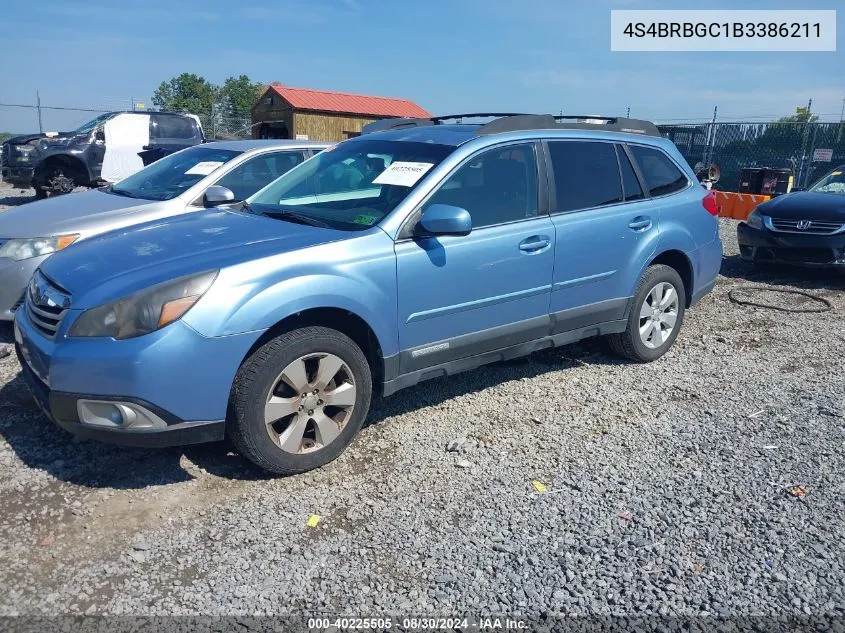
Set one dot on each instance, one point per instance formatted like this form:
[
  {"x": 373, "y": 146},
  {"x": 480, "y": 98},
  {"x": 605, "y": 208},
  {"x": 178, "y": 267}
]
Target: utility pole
[
  {"x": 38, "y": 101},
  {"x": 711, "y": 139},
  {"x": 132, "y": 101},
  {"x": 801, "y": 171}
]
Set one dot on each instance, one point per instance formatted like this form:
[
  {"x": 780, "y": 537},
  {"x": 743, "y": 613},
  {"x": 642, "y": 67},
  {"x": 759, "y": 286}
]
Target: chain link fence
[
  {"x": 220, "y": 128},
  {"x": 737, "y": 145}
]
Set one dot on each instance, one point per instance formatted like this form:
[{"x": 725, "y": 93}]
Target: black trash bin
[{"x": 751, "y": 180}]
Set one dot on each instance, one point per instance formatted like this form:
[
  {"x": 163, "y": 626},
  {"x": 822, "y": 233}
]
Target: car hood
[
  {"x": 121, "y": 262},
  {"x": 87, "y": 212},
  {"x": 806, "y": 205},
  {"x": 22, "y": 139}
]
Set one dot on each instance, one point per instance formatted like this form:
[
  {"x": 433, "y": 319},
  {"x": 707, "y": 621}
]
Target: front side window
[
  {"x": 94, "y": 123},
  {"x": 496, "y": 187},
  {"x": 353, "y": 185},
  {"x": 834, "y": 182},
  {"x": 586, "y": 175},
  {"x": 258, "y": 172},
  {"x": 174, "y": 174},
  {"x": 661, "y": 175}
]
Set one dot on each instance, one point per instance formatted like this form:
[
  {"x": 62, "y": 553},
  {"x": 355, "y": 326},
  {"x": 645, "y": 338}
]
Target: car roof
[{"x": 254, "y": 144}]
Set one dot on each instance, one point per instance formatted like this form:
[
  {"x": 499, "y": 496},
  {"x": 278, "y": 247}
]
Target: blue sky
[{"x": 447, "y": 55}]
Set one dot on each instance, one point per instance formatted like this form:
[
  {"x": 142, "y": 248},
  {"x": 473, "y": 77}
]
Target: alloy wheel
[
  {"x": 658, "y": 315},
  {"x": 310, "y": 403}
]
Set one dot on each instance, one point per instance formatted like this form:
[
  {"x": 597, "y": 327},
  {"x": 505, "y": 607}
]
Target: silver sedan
[{"x": 190, "y": 180}]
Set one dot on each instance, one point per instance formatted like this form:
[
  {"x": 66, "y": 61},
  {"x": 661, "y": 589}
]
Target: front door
[{"x": 459, "y": 296}]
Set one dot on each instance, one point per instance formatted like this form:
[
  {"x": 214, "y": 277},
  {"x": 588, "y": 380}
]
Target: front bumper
[
  {"x": 18, "y": 176},
  {"x": 817, "y": 251},
  {"x": 14, "y": 277},
  {"x": 181, "y": 377}
]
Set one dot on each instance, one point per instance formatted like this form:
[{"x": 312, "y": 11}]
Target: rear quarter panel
[{"x": 686, "y": 226}]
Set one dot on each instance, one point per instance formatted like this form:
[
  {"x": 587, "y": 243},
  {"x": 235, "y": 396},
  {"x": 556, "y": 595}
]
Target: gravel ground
[{"x": 710, "y": 482}]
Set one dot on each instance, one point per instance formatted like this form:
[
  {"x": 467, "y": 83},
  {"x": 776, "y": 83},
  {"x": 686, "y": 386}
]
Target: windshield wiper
[
  {"x": 292, "y": 216},
  {"x": 120, "y": 192}
]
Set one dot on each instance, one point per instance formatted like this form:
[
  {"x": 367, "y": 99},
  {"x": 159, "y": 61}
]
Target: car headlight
[
  {"x": 145, "y": 311},
  {"x": 18, "y": 249},
  {"x": 23, "y": 152},
  {"x": 755, "y": 220}
]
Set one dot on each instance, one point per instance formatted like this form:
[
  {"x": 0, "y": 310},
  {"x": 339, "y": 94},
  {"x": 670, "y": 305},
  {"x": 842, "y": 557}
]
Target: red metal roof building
[{"x": 285, "y": 112}]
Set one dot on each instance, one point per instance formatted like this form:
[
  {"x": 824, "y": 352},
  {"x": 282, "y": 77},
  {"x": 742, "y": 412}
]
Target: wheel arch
[
  {"x": 339, "y": 319},
  {"x": 680, "y": 262},
  {"x": 77, "y": 168}
]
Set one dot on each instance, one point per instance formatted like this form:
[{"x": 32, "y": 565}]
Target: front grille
[
  {"x": 797, "y": 255},
  {"x": 46, "y": 304},
  {"x": 816, "y": 227},
  {"x": 4, "y": 154}
]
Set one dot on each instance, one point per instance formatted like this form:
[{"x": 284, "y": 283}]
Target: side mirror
[
  {"x": 100, "y": 135},
  {"x": 445, "y": 219},
  {"x": 216, "y": 195}
]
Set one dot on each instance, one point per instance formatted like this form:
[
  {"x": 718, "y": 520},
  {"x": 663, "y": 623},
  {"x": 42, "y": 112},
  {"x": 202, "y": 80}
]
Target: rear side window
[
  {"x": 630, "y": 183},
  {"x": 173, "y": 127},
  {"x": 586, "y": 174},
  {"x": 661, "y": 175}
]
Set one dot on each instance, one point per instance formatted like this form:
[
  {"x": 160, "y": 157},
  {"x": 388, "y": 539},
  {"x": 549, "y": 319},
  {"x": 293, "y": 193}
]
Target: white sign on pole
[{"x": 822, "y": 155}]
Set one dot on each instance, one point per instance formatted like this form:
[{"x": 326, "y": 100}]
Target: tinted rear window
[
  {"x": 586, "y": 174},
  {"x": 661, "y": 175}
]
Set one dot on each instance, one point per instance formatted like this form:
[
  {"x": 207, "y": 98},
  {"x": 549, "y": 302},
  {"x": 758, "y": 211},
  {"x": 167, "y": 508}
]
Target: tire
[
  {"x": 273, "y": 369},
  {"x": 630, "y": 344}
]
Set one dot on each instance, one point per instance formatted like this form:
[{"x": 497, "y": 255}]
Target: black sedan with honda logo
[{"x": 805, "y": 228}]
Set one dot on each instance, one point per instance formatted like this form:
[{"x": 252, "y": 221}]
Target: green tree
[
  {"x": 186, "y": 93},
  {"x": 5, "y": 136},
  {"x": 237, "y": 95}
]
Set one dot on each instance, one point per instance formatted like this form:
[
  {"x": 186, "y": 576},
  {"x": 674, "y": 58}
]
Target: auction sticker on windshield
[
  {"x": 404, "y": 174},
  {"x": 205, "y": 167}
]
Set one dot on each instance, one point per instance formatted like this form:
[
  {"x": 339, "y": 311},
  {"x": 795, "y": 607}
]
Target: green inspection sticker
[{"x": 369, "y": 220}]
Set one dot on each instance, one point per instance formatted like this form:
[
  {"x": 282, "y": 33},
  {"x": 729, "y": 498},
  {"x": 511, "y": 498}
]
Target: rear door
[
  {"x": 605, "y": 229},
  {"x": 459, "y": 296}
]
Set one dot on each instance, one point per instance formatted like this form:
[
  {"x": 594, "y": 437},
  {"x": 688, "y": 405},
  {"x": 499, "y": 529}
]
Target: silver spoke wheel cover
[
  {"x": 310, "y": 402},
  {"x": 658, "y": 315}
]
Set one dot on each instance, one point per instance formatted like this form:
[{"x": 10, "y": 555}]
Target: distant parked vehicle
[
  {"x": 394, "y": 257},
  {"x": 190, "y": 180},
  {"x": 805, "y": 228},
  {"x": 103, "y": 151}
]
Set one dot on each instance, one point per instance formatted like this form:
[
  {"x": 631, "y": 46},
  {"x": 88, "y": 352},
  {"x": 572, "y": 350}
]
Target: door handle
[
  {"x": 535, "y": 244},
  {"x": 640, "y": 223}
]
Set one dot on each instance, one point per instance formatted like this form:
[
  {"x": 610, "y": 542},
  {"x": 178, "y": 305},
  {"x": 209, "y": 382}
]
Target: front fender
[{"x": 246, "y": 298}]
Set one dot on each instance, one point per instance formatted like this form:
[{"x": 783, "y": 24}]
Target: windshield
[
  {"x": 834, "y": 182},
  {"x": 353, "y": 185},
  {"x": 172, "y": 175},
  {"x": 94, "y": 123}
]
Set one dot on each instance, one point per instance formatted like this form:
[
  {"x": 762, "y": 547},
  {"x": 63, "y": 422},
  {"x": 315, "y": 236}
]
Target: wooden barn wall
[
  {"x": 279, "y": 110},
  {"x": 327, "y": 127}
]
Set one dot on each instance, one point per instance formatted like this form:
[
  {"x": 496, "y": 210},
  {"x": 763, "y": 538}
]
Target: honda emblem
[{"x": 803, "y": 225}]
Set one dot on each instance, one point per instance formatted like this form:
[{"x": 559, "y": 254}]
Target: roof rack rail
[
  {"x": 514, "y": 122},
  {"x": 569, "y": 122}
]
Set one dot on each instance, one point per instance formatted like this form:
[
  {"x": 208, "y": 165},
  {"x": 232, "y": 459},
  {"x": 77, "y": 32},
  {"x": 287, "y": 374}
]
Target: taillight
[{"x": 709, "y": 203}]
